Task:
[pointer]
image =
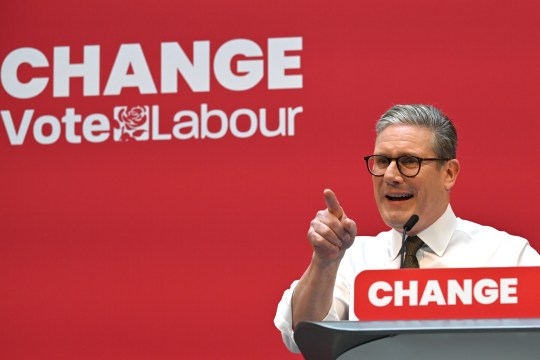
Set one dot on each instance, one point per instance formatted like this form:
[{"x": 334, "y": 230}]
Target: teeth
[{"x": 399, "y": 196}]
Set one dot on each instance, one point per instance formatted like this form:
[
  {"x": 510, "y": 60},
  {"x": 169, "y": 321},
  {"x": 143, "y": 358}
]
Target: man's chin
[{"x": 396, "y": 221}]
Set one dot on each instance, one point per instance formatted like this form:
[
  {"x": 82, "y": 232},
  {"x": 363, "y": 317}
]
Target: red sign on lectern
[{"x": 458, "y": 293}]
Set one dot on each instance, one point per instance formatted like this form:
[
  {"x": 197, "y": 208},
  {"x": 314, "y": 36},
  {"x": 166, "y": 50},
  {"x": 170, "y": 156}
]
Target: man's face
[{"x": 427, "y": 194}]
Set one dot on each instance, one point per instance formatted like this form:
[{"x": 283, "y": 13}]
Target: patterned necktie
[{"x": 412, "y": 245}]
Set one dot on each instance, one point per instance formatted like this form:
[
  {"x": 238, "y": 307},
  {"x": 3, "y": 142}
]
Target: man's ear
[{"x": 451, "y": 173}]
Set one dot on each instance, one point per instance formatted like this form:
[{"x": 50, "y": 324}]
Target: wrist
[{"x": 325, "y": 264}]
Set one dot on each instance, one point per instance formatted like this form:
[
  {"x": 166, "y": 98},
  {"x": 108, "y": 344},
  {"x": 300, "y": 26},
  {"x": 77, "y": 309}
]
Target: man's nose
[{"x": 392, "y": 173}]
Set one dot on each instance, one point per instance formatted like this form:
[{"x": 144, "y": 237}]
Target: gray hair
[{"x": 444, "y": 132}]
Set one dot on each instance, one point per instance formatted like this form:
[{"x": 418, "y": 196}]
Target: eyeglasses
[{"x": 407, "y": 165}]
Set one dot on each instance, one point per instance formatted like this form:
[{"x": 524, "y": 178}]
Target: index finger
[{"x": 332, "y": 204}]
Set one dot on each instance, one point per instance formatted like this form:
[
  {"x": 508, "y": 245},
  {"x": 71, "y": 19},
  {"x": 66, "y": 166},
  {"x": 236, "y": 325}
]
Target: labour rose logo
[{"x": 131, "y": 123}]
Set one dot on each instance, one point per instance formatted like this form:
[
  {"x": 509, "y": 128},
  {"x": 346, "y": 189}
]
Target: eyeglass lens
[{"x": 407, "y": 165}]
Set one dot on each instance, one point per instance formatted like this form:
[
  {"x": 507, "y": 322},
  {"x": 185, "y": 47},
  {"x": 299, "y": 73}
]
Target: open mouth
[{"x": 398, "y": 197}]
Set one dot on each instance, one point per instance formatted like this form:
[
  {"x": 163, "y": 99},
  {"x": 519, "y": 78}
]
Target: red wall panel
[{"x": 165, "y": 249}]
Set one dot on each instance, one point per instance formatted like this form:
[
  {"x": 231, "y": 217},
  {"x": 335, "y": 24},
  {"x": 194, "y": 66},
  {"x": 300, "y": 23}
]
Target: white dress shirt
[{"x": 449, "y": 243}]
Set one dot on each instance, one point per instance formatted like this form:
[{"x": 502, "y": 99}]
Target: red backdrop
[{"x": 167, "y": 249}]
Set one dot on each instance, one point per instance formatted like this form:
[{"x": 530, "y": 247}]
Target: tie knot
[{"x": 412, "y": 245}]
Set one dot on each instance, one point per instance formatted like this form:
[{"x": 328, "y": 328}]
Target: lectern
[{"x": 493, "y": 339}]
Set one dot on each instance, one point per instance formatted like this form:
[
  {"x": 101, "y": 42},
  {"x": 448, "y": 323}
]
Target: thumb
[{"x": 332, "y": 203}]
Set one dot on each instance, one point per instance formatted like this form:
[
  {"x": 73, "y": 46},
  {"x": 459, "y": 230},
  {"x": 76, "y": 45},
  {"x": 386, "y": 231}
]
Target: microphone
[
  {"x": 406, "y": 228},
  {"x": 410, "y": 223}
]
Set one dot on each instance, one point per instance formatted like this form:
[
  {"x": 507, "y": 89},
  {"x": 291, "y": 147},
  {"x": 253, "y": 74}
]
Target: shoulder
[
  {"x": 478, "y": 232},
  {"x": 494, "y": 246}
]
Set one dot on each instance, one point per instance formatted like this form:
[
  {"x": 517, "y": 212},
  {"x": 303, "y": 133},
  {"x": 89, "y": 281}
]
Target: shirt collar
[{"x": 436, "y": 236}]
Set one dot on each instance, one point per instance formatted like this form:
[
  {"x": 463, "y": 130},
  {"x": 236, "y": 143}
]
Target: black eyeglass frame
[{"x": 419, "y": 159}]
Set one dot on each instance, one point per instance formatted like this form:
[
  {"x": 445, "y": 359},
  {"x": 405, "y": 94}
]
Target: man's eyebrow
[{"x": 399, "y": 155}]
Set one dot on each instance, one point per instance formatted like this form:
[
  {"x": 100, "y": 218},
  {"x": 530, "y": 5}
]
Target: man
[{"x": 414, "y": 167}]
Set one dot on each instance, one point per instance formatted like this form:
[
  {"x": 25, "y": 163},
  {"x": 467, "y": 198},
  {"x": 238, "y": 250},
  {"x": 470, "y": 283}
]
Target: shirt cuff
[{"x": 283, "y": 319}]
